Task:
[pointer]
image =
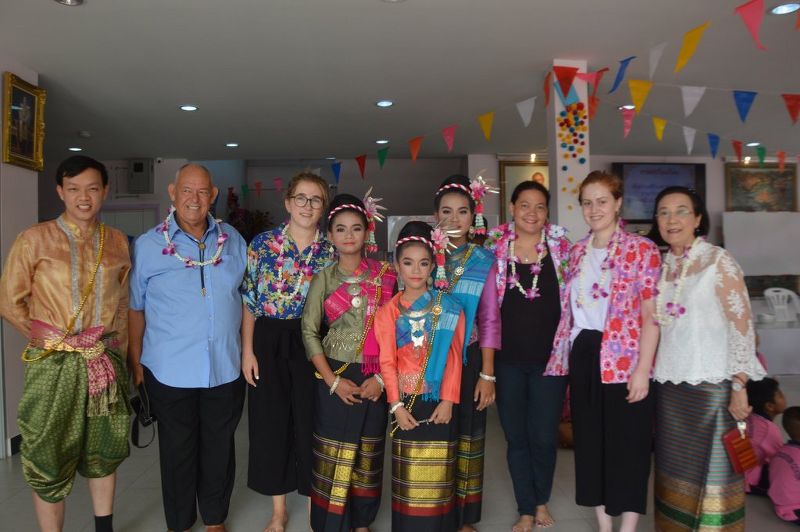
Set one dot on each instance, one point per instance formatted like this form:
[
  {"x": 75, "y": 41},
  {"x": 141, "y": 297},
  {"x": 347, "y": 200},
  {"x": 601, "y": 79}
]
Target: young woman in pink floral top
[{"x": 606, "y": 342}]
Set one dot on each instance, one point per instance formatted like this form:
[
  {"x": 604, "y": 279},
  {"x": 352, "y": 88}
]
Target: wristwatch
[{"x": 736, "y": 386}]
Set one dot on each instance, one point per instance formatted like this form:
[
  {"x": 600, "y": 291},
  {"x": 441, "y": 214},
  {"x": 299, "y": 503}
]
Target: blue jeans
[{"x": 530, "y": 407}]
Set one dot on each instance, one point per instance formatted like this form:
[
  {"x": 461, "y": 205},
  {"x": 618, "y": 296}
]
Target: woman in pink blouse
[{"x": 606, "y": 342}]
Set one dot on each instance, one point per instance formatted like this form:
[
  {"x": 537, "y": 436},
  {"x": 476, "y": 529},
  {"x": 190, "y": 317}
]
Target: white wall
[{"x": 18, "y": 210}]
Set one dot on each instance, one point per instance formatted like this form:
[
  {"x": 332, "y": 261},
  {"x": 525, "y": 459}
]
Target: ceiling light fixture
[
  {"x": 75, "y": 148},
  {"x": 785, "y": 9},
  {"x": 393, "y": 1},
  {"x": 533, "y": 157},
  {"x": 627, "y": 107},
  {"x": 384, "y": 103},
  {"x": 382, "y": 141},
  {"x": 188, "y": 107},
  {"x": 232, "y": 145},
  {"x": 747, "y": 160},
  {"x": 330, "y": 158},
  {"x": 753, "y": 144},
  {"x": 69, "y": 2}
]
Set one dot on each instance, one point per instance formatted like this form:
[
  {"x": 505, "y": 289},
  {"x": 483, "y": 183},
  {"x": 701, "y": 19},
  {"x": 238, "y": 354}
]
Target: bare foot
[
  {"x": 216, "y": 528},
  {"x": 525, "y": 524},
  {"x": 467, "y": 528},
  {"x": 543, "y": 517},
  {"x": 277, "y": 523}
]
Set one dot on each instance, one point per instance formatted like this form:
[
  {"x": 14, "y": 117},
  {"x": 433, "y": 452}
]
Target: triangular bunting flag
[
  {"x": 655, "y": 57},
  {"x": 761, "y": 151},
  {"x": 594, "y": 102},
  {"x": 691, "y": 97},
  {"x": 486, "y": 120},
  {"x": 565, "y": 77},
  {"x": 737, "y": 148},
  {"x": 278, "y": 183},
  {"x": 570, "y": 98},
  {"x": 690, "y": 41},
  {"x": 713, "y": 144},
  {"x": 639, "y": 88},
  {"x": 382, "y": 155},
  {"x": 547, "y": 79},
  {"x": 792, "y": 105},
  {"x": 598, "y": 77},
  {"x": 623, "y": 66},
  {"x": 413, "y": 146},
  {"x": 744, "y": 100},
  {"x": 449, "y": 136},
  {"x": 752, "y": 14},
  {"x": 245, "y": 190},
  {"x": 781, "y": 160},
  {"x": 362, "y": 164},
  {"x": 688, "y": 136},
  {"x": 627, "y": 121},
  {"x": 258, "y": 188},
  {"x": 337, "y": 170},
  {"x": 797, "y": 21},
  {"x": 525, "y": 109},
  {"x": 658, "y": 126}
]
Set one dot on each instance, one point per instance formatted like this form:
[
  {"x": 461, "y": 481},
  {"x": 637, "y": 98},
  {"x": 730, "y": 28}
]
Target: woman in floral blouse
[
  {"x": 531, "y": 258},
  {"x": 280, "y": 265},
  {"x": 606, "y": 342}
]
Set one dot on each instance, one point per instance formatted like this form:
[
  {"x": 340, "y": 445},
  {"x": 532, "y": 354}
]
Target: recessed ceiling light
[
  {"x": 785, "y": 9},
  {"x": 232, "y": 145},
  {"x": 75, "y": 148},
  {"x": 382, "y": 141},
  {"x": 384, "y": 103},
  {"x": 69, "y": 2},
  {"x": 753, "y": 144},
  {"x": 393, "y": 1},
  {"x": 84, "y": 134},
  {"x": 330, "y": 158},
  {"x": 747, "y": 160},
  {"x": 188, "y": 107},
  {"x": 628, "y": 107}
]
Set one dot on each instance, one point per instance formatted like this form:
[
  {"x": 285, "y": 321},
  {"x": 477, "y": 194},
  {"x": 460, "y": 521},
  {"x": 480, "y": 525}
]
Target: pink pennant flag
[
  {"x": 278, "y": 182},
  {"x": 449, "y": 136},
  {"x": 258, "y": 188},
  {"x": 737, "y": 147},
  {"x": 627, "y": 121},
  {"x": 781, "y": 160},
  {"x": 593, "y": 78},
  {"x": 752, "y": 14}
]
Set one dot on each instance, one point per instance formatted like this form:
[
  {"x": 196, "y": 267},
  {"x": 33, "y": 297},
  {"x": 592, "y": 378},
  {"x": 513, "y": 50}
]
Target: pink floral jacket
[{"x": 634, "y": 276}]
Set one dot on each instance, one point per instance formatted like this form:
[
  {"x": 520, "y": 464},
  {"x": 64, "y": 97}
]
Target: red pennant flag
[
  {"x": 594, "y": 101},
  {"x": 627, "y": 121},
  {"x": 797, "y": 22},
  {"x": 258, "y": 188},
  {"x": 737, "y": 147},
  {"x": 752, "y": 14},
  {"x": 278, "y": 182},
  {"x": 547, "y": 79},
  {"x": 792, "y": 105},
  {"x": 362, "y": 164},
  {"x": 565, "y": 77},
  {"x": 449, "y": 136},
  {"x": 781, "y": 160},
  {"x": 414, "y": 145}
]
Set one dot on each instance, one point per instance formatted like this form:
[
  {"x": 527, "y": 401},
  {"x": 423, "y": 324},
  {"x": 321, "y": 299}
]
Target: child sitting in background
[
  {"x": 767, "y": 400},
  {"x": 784, "y": 470}
]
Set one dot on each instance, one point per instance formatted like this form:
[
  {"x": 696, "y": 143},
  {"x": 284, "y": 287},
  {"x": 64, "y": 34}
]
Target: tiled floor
[{"x": 138, "y": 503}]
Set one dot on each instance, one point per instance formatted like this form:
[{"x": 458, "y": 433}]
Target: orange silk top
[{"x": 400, "y": 368}]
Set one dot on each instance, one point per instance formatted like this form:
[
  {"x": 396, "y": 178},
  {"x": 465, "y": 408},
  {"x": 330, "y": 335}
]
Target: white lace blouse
[{"x": 714, "y": 339}]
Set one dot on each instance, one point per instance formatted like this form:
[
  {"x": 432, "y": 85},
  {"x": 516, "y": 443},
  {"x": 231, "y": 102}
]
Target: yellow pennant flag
[
  {"x": 486, "y": 120},
  {"x": 639, "y": 88},
  {"x": 690, "y": 41},
  {"x": 659, "y": 124}
]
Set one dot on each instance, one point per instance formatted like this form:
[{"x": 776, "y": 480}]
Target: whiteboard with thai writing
[{"x": 763, "y": 243}]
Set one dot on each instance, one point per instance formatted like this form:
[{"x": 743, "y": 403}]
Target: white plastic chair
[{"x": 783, "y": 303}]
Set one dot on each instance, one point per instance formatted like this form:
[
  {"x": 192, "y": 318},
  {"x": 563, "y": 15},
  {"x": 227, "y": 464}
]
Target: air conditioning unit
[{"x": 137, "y": 179}]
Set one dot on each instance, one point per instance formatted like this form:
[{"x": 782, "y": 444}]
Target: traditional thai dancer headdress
[
  {"x": 438, "y": 240},
  {"x": 368, "y": 207},
  {"x": 476, "y": 190}
]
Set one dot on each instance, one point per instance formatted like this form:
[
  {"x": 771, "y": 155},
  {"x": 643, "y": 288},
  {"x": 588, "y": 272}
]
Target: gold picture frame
[
  {"x": 512, "y": 173},
  {"x": 761, "y": 187},
  {"x": 23, "y": 123}
]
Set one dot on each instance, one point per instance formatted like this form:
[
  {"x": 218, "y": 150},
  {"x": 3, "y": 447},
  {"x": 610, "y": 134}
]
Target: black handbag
[{"x": 142, "y": 416}]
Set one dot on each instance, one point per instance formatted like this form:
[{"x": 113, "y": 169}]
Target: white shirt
[{"x": 593, "y": 314}]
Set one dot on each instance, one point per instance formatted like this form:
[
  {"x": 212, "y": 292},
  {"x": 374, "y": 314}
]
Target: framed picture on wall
[
  {"x": 760, "y": 188},
  {"x": 23, "y": 123},
  {"x": 512, "y": 173}
]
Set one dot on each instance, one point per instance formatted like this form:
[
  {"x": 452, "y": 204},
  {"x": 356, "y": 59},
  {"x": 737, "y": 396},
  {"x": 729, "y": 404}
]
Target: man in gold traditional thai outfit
[{"x": 65, "y": 287}]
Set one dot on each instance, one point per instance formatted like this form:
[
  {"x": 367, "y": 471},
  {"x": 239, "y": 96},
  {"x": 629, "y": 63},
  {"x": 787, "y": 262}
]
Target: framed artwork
[
  {"x": 642, "y": 182},
  {"x": 762, "y": 188},
  {"x": 512, "y": 173},
  {"x": 23, "y": 123}
]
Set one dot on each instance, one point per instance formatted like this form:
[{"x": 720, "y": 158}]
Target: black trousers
[
  {"x": 280, "y": 411},
  {"x": 613, "y": 438},
  {"x": 196, "y": 427}
]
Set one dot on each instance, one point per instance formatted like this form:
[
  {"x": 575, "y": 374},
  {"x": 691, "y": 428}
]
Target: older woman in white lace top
[{"x": 705, "y": 356}]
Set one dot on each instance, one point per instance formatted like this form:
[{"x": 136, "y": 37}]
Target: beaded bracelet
[
  {"x": 490, "y": 378},
  {"x": 395, "y": 406},
  {"x": 336, "y": 382},
  {"x": 378, "y": 378}
]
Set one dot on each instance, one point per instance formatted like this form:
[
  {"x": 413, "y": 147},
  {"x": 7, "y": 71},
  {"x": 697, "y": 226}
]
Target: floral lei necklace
[
  {"x": 170, "y": 249},
  {"x": 673, "y": 309},
  {"x": 598, "y": 289},
  {"x": 536, "y": 268},
  {"x": 305, "y": 269}
]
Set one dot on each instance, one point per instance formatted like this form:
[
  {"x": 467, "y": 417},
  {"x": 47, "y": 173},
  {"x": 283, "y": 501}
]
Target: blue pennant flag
[
  {"x": 623, "y": 66},
  {"x": 744, "y": 100},
  {"x": 572, "y": 96},
  {"x": 337, "y": 169},
  {"x": 713, "y": 143}
]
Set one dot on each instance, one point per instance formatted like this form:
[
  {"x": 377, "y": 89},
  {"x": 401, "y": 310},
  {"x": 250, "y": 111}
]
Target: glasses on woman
[
  {"x": 301, "y": 200},
  {"x": 678, "y": 213}
]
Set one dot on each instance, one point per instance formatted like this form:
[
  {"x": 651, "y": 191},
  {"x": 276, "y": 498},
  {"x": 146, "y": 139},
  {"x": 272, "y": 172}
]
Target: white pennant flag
[
  {"x": 688, "y": 136},
  {"x": 525, "y": 109},
  {"x": 691, "y": 97},
  {"x": 655, "y": 57}
]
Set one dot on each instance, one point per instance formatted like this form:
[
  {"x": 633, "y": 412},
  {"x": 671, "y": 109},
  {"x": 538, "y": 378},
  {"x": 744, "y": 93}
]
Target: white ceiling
[{"x": 299, "y": 78}]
